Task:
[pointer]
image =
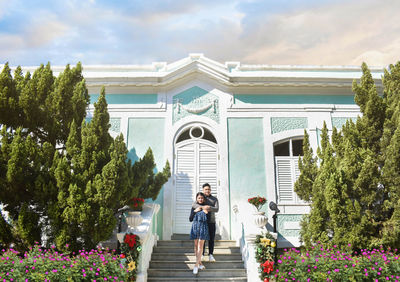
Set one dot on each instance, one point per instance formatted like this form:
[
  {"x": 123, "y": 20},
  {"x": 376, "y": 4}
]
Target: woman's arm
[{"x": 192, "y": 213}]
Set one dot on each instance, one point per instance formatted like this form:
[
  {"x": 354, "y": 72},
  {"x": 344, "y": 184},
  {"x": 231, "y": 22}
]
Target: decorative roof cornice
[{"x": 230, "y": 74}]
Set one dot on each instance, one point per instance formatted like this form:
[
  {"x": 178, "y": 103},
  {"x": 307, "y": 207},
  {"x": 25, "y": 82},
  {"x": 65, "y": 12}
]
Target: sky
[{"x": 283, "y": 32}]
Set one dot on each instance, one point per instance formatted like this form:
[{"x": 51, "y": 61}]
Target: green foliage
[
  {"x": 147, "y": 183},
  {"x": 354, "y": 192},
  {"x": 56, "y": 169},
  {"x": 5, "y": 233},
  {"x": 308, "y": 167},
  {"x": 28, "y": 225}
]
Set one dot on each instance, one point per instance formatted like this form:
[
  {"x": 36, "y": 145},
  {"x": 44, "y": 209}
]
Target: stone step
[
  {"x": 189, "y": 256},
  {"x": 217, "y": 250},
  {"x": 162, "y": 264},
  {"x": 181, "y": 273},
  {"x": 186, "y": 237},
  {"x": 190, "y": 243},
  {"x": 187, "y": 279},
  {"x": 173, "y": 260}
]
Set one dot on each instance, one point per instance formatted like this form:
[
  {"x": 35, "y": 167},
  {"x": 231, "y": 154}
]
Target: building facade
[{"x": 238, "y": 127}]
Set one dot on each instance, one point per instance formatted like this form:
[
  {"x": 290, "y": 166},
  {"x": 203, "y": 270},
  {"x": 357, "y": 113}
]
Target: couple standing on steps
[{"x": 203, "y": 228}]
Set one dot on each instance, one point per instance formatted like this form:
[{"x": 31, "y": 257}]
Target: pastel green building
[{"x": 238, "y": 127}]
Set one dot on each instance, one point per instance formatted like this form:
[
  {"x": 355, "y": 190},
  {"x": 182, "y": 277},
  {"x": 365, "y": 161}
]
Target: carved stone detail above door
[{"x": 195, "y": 101}]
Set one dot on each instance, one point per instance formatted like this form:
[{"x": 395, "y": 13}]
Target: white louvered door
[{"x": 196, "y": 162}]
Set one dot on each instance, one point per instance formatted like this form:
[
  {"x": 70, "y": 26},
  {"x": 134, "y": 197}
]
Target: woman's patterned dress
[{"x": 200, "y": 227}]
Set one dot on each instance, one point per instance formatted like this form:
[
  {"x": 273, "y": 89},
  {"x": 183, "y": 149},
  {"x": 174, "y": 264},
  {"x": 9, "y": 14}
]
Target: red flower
[
  {"x": 266, "y": 279},
  {"x": 122, "y": 255},
  {"x": 130, "y": 239},
  {"x": 258, "y": 202},
  {"x": 268, "y": 266}
]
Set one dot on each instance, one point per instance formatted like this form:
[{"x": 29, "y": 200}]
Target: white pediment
[{"x": 230, "y": 74}]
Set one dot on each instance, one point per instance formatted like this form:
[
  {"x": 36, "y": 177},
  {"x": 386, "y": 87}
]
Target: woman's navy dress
[{"x": 200, "y": 227}]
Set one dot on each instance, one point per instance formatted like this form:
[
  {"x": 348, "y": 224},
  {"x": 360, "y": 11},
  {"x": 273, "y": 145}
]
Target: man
[{"x": 212, "y": 207}]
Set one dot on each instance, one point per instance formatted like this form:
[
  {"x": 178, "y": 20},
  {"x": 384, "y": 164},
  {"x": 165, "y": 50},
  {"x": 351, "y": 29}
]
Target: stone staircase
[{"x": 174, "y": 260}]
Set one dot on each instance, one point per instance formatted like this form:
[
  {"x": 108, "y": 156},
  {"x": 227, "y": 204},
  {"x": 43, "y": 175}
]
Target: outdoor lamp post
[
  {"x": 274, "y": 207},
  {"x": 119, "y": 213}
]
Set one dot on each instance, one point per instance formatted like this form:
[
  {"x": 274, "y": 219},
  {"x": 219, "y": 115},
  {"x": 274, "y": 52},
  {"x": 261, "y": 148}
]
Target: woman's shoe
[
  {"x": 195, "y": 270},
  {"x": 201, "y": 267}
]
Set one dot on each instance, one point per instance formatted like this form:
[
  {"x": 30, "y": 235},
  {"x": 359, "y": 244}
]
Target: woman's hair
[{"x": 200, "y": 194}]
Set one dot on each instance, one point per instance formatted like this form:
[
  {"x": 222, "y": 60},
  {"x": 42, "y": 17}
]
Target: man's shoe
[
  {"x": 211, "y": 258},
  {"x": 195, "y": 270},
  {"x": 201, "y": 267}
]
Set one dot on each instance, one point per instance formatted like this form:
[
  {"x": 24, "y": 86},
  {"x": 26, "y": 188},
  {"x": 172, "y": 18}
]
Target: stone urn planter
[
  {"x": 133, "y": 218},
  {"x": 259, "y": 219}
]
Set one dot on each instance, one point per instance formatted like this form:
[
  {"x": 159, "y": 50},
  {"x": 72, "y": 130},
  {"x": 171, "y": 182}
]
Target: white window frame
[{"x": 292, "y": 161}]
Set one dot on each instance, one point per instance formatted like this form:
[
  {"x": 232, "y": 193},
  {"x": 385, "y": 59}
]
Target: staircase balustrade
[
  {"x": 147, "y": 233},
  {"x": 248, "y": 231}
]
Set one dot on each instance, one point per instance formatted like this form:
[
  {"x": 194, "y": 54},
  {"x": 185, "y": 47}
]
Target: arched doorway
[{"x": 195, "y": 163}]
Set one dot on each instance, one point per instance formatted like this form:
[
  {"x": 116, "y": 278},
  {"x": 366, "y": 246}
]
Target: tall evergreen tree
[
  {"x": 355, "y": 192},
  {"x": 58, "y": 170},
  {"x": 391, "y": 157},
  {"x": 316, "y": 225},
  {"x": 308, "y": 167}
]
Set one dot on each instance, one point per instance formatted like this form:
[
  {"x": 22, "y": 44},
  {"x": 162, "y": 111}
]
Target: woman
[{"x": 199, "y": 232}]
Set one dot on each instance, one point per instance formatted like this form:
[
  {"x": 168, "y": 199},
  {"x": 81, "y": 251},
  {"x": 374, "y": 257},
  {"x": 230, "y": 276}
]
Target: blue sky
[{"x": 323, "y": 32}]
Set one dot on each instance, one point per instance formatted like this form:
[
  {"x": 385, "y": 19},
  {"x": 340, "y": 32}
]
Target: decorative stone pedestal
[
  {"x": 260, "y": 220},
  {"x": 133, "y": 218}
]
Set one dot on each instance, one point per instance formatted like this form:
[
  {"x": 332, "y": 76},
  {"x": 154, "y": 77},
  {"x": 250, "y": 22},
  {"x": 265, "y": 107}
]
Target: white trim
[
  {"x": 293, "y": 108},
  {"x": 160, "y": 74},
  {"x": 286, "y": 135},
  {"x": 159, "y": 107}
]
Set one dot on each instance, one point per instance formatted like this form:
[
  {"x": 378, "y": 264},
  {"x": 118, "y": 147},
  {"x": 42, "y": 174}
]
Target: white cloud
[
  {"x": 10, "y": 43},
  {"x": 44, "y": 32},
  {"x": 389, "y": 54},
  {"x": 332, "y": 32},
  {"x": 4, "y": 4},
  {"x": 329, "y": 34}
]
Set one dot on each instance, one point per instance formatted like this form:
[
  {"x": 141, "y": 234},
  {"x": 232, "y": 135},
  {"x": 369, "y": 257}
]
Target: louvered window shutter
[
  {"x": 296, "y": 175},
  {"x": 284, "y": 179}
]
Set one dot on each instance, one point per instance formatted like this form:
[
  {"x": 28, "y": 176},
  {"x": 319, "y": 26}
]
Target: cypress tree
[
  {"x": 316, "y": 225},
  {"x": 355, "y": 192},
  {"x": 308, "y": 167},
  {"x": 55, "y": 168}
]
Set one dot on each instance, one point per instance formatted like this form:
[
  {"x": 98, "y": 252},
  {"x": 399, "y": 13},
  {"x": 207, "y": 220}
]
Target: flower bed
[
  {"x": 333, "y": 264},
  {"x": 49, "y": 265}
]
